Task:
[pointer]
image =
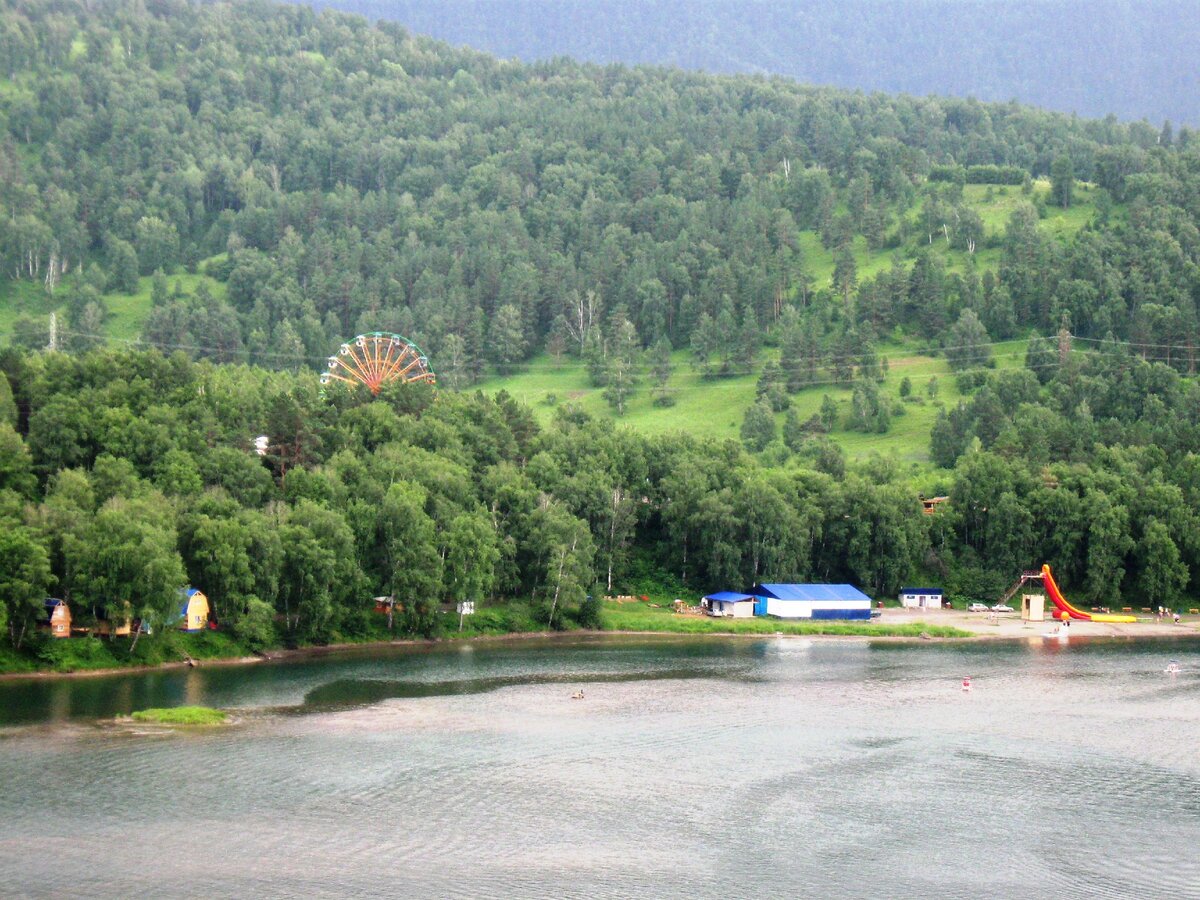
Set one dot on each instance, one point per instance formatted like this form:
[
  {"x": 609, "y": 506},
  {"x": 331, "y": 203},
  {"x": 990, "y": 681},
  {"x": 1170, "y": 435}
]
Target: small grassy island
[{"x": 182, "y": 715}]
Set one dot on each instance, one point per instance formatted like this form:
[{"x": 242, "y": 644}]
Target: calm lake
[{"x": 712, "y": 767}]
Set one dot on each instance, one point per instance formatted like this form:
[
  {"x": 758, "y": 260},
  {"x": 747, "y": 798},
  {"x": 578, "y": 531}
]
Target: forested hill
[
  {"x": 299, "y": 178},
  {"x": 253, "y": 184},
  {"x": 1093, "y": 57}
]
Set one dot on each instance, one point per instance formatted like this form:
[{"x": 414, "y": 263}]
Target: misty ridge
[{"x": 1091, "y": 57}]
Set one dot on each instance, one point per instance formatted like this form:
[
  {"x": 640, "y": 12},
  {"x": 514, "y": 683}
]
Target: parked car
[
  {"x": 1002, "y": 607},
  {"x": 977, "y": 607}
]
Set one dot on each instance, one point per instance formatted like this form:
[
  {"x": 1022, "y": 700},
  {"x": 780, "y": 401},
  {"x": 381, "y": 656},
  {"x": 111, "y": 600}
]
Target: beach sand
[{"x": 1010, "y": 625}]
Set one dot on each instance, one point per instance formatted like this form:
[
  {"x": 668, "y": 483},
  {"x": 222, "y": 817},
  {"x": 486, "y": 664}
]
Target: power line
[
  {"x": 199, "y": 348},
  {"x": 895, "y": 368}
]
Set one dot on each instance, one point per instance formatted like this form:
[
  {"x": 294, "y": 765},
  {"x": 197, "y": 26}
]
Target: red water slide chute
[{"x": 1060, "y": 601}]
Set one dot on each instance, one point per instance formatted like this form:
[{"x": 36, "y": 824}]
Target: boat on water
[{"x": 1173, "y": 668}]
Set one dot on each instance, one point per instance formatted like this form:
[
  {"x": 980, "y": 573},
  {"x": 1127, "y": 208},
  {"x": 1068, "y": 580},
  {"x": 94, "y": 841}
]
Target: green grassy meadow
[
  {"x": 644, "y": 617},
  {"x": 127, "y": 313},
  {"x": 714, "y": 407}
]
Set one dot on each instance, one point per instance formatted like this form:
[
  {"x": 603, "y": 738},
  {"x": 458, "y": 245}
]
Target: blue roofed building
[
  {"x": 730, "y": 604},
  {"x": 811, "y": 601}
]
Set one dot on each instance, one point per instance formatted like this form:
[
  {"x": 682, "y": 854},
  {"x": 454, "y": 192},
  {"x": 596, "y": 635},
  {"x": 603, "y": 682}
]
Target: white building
[
  {"x": 921, "y": 597},
  {"x": 730, "y": 604}
]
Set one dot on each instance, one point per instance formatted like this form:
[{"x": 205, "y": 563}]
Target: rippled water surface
[{"x": 693, "y": 768}]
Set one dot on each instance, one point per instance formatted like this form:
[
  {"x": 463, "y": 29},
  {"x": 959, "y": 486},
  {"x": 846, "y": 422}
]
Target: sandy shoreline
[
  {"x": 1006, "y": 626},
  {"x": 1010, "y": 625}
]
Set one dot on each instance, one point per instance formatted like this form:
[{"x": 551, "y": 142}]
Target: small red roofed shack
[{"x": 931, "y": 504}]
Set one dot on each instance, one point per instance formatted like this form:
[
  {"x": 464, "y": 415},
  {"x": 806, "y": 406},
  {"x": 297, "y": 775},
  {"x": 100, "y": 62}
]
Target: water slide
[{"x": 1061, "y": 602}]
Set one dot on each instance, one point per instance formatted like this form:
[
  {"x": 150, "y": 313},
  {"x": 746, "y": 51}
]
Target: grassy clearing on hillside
[
  {"x": 127, "y": 312},
  {"x": 711, "y": 408},
  {"x": 994, "y": 211},
  {"x": 23, "y": 298},
  {"x": 643, "y": 617},
  {"x": 714, "y": 408},
  {"x": 130, "y": 311}
]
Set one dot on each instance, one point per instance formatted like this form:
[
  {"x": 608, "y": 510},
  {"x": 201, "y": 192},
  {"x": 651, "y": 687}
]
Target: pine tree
[
  {"x": 845, "y": 272},
  {"x": 1062, "y": 181},
  {"x": 158, "y": 289},
  {"x": 660, "y": 372},
  {"x": 705, "y": 343},
  {"x": 621, "y": 371},
  {"x": 968, "y": 345},
  {"x": 507, "y": 339}
]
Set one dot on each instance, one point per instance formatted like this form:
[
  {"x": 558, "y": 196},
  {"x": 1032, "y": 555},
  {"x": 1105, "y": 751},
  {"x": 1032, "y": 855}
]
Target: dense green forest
[
  {"x": 233, "y": 190},
  {"x": 125, "y": 474},
  {"x": 1092, "y": 57},
  {"x": 332, "y": 177}
]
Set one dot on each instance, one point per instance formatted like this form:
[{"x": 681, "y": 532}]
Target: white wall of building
[
  {"x": 741, "y": 610},
  {"x": 921, "y": 601},
  {"x": 803, "y": 609}
]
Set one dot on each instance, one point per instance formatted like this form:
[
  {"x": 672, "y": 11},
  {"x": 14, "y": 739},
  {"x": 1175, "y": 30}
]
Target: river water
[{"x": 693, "y": 767}]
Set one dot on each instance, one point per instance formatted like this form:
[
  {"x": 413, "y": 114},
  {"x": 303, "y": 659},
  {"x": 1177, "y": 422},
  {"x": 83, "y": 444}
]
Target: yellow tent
[{"x": 195, "y": 611}]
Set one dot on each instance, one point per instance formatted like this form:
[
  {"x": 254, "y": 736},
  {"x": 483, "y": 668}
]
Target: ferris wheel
[{"x": 376, "y": 359}]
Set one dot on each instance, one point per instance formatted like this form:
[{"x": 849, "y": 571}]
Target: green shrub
[
  {"x": 590, "y": 613},
  {"x": 256, "y": 627},
  {"x": 211, "y": 645},
  {"x": 75, "y": 654}
]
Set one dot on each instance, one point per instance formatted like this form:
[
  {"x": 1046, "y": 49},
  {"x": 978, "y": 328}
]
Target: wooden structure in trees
[
  {"x": 56, "y": 618},
  {"x": 122, "y": 626},
  {"x": 194, "y": 612}
]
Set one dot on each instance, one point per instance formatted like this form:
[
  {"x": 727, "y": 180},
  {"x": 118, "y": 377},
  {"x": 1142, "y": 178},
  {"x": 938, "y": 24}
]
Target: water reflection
[
  {"x": 354, "y": 692},
  {"x": 698, "y": 768}
]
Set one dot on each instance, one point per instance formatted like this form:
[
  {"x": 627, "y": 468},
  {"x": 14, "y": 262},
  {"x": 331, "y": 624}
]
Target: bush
[
  {"x": 75, "y": 654},
  {"x": 420, "y": 618},
  {"x": 588, "y": 615},
  {"x": 208, "y": 645},
  {"x": 971, "y": 380}
]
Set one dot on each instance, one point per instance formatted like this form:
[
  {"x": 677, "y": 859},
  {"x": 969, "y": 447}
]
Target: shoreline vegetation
[
  {"x": 81, "y": 656},
  {"x": 182, "y": 715},
  {"x": 629, "y": 619}
]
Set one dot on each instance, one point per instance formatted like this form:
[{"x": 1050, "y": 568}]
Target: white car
[
  {"x": 977, "y": 607},
  {"x": 1002, "y": 607}
]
